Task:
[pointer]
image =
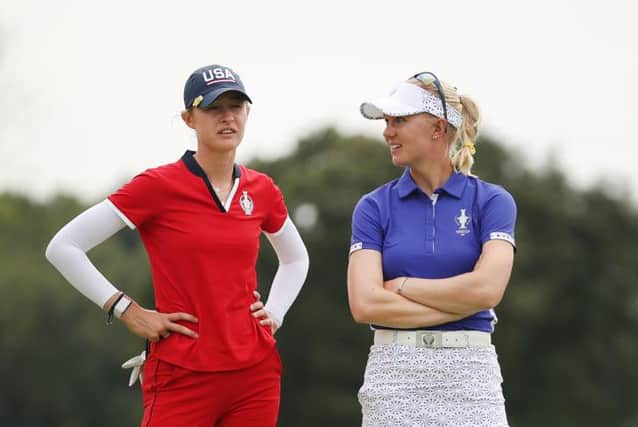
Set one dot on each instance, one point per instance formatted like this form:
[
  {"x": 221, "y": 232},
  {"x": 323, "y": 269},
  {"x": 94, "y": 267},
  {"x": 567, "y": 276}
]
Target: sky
[{"x": 92, "y": 91}]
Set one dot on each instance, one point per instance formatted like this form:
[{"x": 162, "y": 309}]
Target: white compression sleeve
[
  {"x": 67, "y": 250},
  {"x": 292, "y": 271}
]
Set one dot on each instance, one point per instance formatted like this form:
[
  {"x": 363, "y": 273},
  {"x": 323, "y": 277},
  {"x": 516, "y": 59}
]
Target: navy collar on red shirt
[
  {"x": 454, "y": 186},
  {"x": 196, "y": 169}
]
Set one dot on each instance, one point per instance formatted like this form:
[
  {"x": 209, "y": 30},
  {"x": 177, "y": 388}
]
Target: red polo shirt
[{"x": 203, "y": 258}]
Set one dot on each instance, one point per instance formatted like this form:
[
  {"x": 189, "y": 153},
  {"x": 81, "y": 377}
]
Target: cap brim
[
  {"x": 211, "y": 96},
  {"x": 380, "y": 108}
]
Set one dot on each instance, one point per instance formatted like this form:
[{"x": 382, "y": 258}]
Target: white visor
[{"x": 408, "y": 99}]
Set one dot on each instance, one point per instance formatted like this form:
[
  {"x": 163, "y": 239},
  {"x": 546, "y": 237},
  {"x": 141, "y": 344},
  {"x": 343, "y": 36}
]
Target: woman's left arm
[
  {"x": 291, "y": 274},
  {"x": 480, "y": 289}
]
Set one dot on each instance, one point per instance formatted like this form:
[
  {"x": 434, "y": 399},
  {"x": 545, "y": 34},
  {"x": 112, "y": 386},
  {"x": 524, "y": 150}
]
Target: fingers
[
  {"x": 267, "y": 322},
  {"x": 256, "y": 306},
  {"x": 271, "y": 323},
  {"x": 257, "y": 295},
  {"x": 175, "y": 327},
  {"x": 260, "y": 313},
  {"x": 156, "y": 326},
  {"x": 181, "y": 316}
]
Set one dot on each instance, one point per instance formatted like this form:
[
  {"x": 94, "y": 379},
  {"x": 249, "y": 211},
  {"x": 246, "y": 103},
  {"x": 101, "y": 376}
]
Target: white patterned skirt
[{"x": 416, "y": 386}]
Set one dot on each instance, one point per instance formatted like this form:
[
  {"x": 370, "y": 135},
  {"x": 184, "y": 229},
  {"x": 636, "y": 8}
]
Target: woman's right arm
[
  {"x": 67, "y": 252},
  {"x": 371, "y": 303}
]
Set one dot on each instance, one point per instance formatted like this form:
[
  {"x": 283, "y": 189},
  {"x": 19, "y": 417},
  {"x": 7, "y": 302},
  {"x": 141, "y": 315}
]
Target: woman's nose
[
  {"x": 388, "y": 131},
  {"x": 227, "y": 115}
]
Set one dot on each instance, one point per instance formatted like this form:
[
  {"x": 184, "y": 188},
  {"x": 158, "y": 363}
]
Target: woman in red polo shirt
[{"x": 212, "y": 360}]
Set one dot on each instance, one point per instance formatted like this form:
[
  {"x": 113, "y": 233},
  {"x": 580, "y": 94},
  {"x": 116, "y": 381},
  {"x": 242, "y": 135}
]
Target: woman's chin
[
  {"x": 397, "y": 161},
  {"x": 226, "y": 144}
]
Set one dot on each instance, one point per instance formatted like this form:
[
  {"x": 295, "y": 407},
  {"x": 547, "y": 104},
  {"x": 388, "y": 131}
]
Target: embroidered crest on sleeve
[{"x": 246, "y": 203}]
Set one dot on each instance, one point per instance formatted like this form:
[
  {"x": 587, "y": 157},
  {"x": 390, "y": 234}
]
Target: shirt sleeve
[
  {"x": 292, "y": 271},
  {"x": 498, "y": 219},
  {"x": 67, "y": 251},
  {"x": 367, "y": 232},
  {"x": 276, "y": 216},
  {"x": 138, "y": 200}
]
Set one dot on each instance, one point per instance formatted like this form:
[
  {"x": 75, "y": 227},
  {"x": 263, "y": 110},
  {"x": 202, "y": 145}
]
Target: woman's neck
[
  {"x": 218, "y": 166},
  {"x": 431, "y": 176}
]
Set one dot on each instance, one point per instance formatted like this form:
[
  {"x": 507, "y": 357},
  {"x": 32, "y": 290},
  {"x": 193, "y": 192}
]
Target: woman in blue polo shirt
[{"x": 431, "y": 255}]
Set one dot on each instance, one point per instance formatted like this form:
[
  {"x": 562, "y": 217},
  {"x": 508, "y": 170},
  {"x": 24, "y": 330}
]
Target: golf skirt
[{"x": 415, "y": 386}]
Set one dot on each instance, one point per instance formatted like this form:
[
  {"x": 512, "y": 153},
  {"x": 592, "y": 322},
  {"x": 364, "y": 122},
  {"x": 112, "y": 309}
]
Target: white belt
[{"x": 433, "y": 339}]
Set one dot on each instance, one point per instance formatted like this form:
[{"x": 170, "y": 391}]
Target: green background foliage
[{"x": 567, "y": 327}]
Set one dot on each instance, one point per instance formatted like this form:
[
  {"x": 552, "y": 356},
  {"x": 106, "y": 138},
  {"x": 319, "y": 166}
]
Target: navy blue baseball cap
[{"x": 207, "y": 83}]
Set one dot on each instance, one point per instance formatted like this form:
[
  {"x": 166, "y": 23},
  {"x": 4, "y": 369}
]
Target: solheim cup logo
[
  {"x": 246, "y": 203},
  {"x": 462, "y": 221}
]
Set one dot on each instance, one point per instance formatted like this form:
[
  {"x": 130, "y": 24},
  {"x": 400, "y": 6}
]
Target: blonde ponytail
[{"x": 463, "y": 149}]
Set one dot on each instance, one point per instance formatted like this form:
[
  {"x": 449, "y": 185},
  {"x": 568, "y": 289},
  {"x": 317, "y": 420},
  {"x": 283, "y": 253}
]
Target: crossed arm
[
  {"x": 370, "y": 302},
  {"x": 426, "y": 302}
]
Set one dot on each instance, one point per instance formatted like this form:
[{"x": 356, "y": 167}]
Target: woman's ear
[
  {"x": 439, "y": 129},
  {"x": 187, "y": 116}
]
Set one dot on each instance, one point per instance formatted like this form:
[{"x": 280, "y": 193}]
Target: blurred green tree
[{"x": 58, "y": 360}]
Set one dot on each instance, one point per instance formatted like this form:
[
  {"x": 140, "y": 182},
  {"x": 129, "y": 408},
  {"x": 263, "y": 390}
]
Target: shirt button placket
[{"x": 430, "y": 226}]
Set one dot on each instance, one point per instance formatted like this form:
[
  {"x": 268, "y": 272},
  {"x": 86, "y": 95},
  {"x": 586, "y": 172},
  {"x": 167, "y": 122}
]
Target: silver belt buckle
[{"x": 428, "y": 339}]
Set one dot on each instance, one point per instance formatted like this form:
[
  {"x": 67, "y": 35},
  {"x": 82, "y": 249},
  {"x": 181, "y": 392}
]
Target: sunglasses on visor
[{"x": 427, "y": 78}]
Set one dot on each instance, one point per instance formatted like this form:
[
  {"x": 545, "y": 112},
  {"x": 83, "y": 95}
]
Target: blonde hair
[{"x": 462, "y": 145}]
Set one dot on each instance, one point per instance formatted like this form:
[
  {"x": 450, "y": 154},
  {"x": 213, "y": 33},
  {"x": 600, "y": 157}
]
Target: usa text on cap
[{"x": 207, "y": 83}]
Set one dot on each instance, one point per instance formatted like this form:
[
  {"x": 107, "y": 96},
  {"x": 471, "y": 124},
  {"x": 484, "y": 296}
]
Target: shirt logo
[
  {"x": 356, "y": 246},
  {"x": 246, "y": 203},
  {"x": 218, "y": 75},
  {"x": 462, "y": 221}
]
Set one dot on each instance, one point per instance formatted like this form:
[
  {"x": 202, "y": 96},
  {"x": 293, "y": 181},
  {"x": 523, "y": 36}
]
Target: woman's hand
[
  {"x": 258, "y": 312},
  {"x": 153, "y": 326}
]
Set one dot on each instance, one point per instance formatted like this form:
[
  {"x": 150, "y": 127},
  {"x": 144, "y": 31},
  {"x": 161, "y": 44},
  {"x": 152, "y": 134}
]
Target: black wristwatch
[{"x": 121, "y": 304}]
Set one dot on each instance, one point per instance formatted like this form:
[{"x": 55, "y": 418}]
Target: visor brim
[{"x": 387, "y": 106}]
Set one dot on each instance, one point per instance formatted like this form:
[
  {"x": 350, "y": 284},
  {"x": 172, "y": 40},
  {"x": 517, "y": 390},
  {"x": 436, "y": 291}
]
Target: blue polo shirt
[{"x": 434, "y": 237}]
